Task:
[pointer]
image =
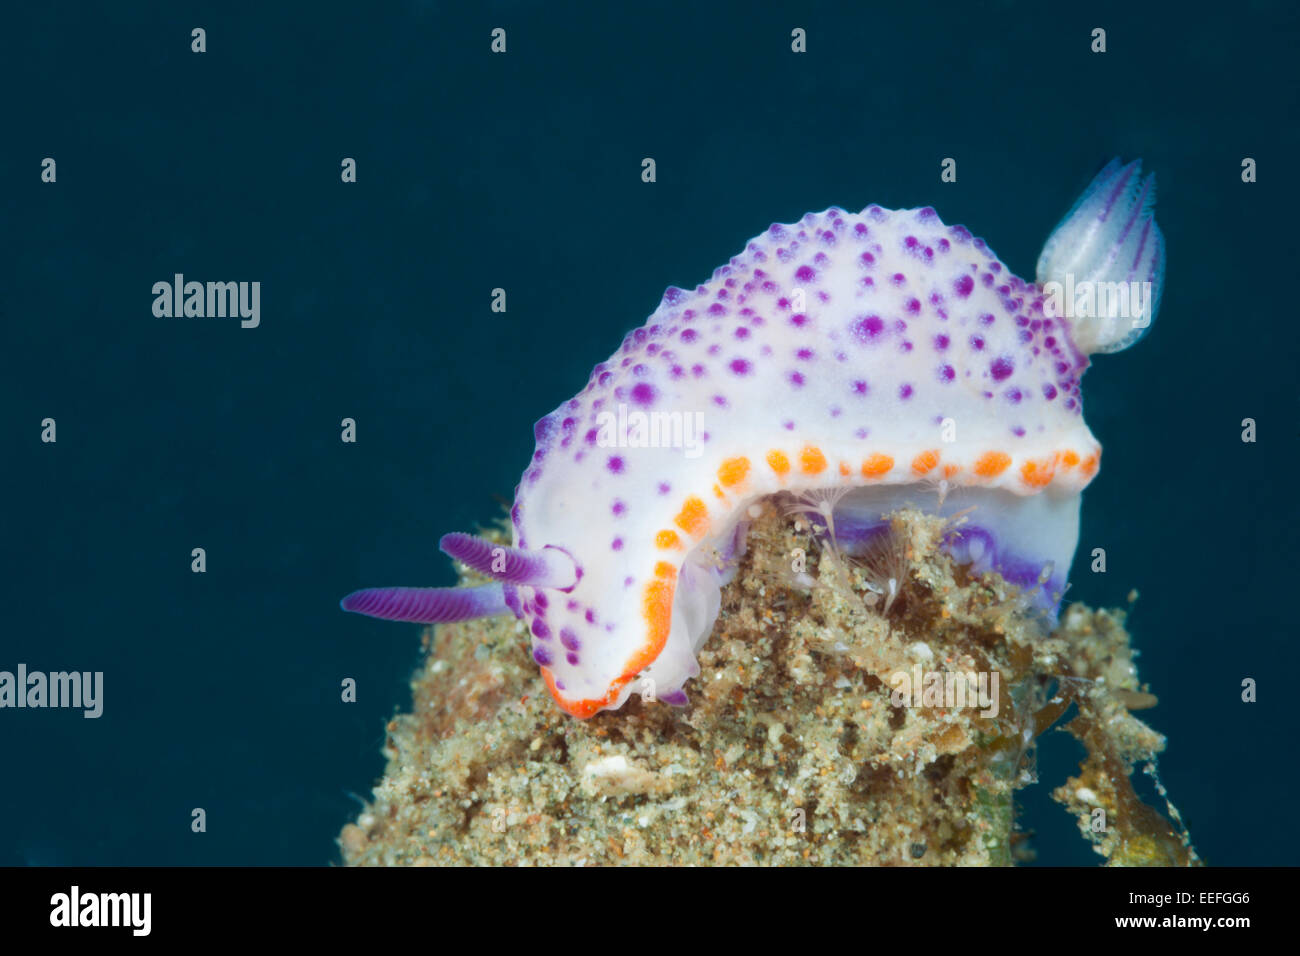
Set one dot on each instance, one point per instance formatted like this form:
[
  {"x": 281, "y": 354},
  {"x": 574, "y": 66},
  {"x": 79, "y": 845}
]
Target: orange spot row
[{"x": 1037, "y": 473}]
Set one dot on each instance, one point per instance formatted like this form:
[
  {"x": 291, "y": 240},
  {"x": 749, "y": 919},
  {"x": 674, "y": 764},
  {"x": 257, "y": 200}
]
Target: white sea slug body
[{"x": 881, "y": 352}]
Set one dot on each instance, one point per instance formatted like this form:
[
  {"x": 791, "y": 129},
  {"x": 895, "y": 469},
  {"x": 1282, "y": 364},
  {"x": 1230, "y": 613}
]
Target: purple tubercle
[
  {"x": 643, "y": 393},
  {"x": 1001, "y": 369},
  {"x": 868, "y": 328}
]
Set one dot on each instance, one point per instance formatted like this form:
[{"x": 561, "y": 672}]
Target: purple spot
[
  {"x": 542, "y": 656},
  {"x": 977, "y": 342},
  {"x": 742, "y": 332},
  {"x": 868, "y": 328},
  {"x": 859, "y": 387},
  {"x": 643, "y": 393},
  {"x": 799, "y": 319},
  {"x": 964, "y": 286},
  {"x": 617, "y": 544},
  {"x": 940, "y": 342},
  {"x": 805, "y": 274},
  {"x": 615, "y": 465},
  {"x": 905, "y": 391},
  {"x": 740, "y": 366},
  {"x": 689, "y": 335},
  {"x": 1001, "y": 369},
  {"x": 540, "y": 629},
  {"x": 1049, "y": 391},
  {"x": 947, "y": 373},
  {"x": 914, "y": 306},
  {"x": 569, "y": 639},
  {"x": 804, "y": 354},
  {"x": 664, "y": 487},
  {"x": 619, "y": 509},
  {"x": 572, "y": 658},
  {"x": 796, "y": 379}
]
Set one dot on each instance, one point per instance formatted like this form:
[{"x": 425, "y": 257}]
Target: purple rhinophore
[
  {"x": 427, "y": 605},
  {"x": 549, "y": 567}
]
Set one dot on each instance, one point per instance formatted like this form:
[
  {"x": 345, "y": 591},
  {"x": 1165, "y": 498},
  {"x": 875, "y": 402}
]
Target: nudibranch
[{"x": 881, "y": 356}]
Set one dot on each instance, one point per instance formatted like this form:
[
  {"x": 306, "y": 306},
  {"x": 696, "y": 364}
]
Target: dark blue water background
[{"x": 522, "y": 172}]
